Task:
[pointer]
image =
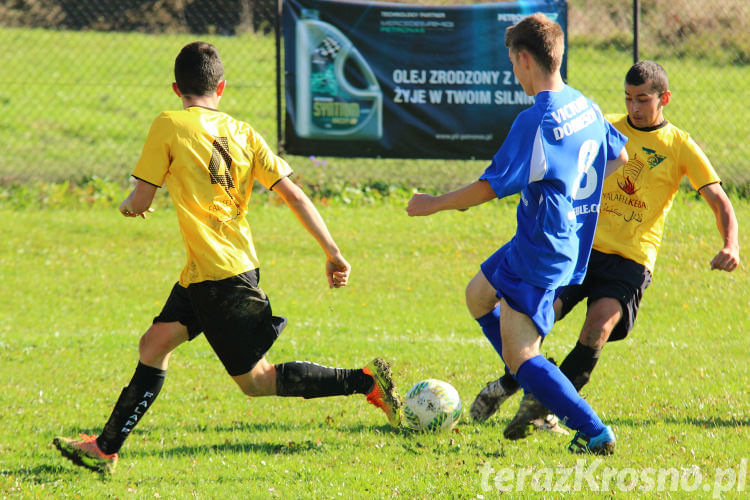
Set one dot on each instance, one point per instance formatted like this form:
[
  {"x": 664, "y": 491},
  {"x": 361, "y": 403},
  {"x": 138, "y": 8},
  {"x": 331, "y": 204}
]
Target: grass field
[{"x": 79, "y": 286}]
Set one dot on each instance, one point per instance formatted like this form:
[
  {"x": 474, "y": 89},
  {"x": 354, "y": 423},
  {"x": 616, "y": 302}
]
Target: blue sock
[
  {"x": 547, "y": 383},
  {"x": 490, "y": 324}
]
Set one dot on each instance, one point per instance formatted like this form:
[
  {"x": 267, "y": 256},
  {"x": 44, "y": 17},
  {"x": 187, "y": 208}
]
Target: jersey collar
[
  {"x": 202, "y": 107},
  {"x": 648, "y": 129}
]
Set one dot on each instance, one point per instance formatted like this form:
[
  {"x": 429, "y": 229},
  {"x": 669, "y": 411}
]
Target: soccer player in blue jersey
[
  {"x": 556, "y": 156},
  {"x": 627, "y": 239}
]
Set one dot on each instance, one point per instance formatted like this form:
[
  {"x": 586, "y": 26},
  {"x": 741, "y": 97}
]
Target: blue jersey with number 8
[{"x": 555, "y": 156}]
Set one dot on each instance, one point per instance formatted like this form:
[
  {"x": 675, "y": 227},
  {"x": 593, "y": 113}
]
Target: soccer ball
[{"x": 432, "y": 406}]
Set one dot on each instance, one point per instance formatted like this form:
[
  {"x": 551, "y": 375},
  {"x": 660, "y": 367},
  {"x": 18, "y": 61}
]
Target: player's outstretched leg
[
  {"x": 489, "y": 399},
  {"x": 86, "y": 453},
  {"x": 602, "y": 444},
  {"x": 384, "y": 394}
]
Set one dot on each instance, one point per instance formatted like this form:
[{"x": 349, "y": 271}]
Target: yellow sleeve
[
  {"x": 697, "y": 166},
  {"x": 268, "y": 168},
  {"x": 155, "y": 159}
]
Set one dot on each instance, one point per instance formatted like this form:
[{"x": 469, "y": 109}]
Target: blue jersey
[{"x": 554, "y": 156}]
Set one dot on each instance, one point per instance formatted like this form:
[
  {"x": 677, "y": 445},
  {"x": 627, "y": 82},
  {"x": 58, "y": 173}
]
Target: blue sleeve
[
  {"x": 615, "y": 141},
  {"x": 509, "y": 171}
]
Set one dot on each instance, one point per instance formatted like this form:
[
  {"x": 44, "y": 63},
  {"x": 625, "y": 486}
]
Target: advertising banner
[{"x": 402, "y": 81}]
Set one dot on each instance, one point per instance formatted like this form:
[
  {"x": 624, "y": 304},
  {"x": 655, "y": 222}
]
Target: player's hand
[
  {"x": 726, "y": 260},
  {"x": 128, "y": 212},
  {"x": 337, "y": 271},
  {"x": 421, "y": 204}
]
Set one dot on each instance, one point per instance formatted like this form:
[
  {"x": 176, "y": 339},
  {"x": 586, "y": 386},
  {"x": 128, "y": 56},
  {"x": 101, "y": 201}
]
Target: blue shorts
[{"x": 534, "y": 302}]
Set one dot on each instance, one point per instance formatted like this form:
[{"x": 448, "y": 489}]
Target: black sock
[
  {"x": 133, "y": 402},
  {"x": 311, "y": 380},
  {"x": 509, "y": 383},
  {"x": 579, "y": 364}
]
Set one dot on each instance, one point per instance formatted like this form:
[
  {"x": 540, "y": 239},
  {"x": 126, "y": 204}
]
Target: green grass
[{"x": 80, "y": 285}]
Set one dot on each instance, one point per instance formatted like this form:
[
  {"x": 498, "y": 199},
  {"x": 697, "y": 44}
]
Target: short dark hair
[
  {"x": 542, "y": 37},
  {"x": 198, "y": 69},
  {"x": 648, "y": 71}
]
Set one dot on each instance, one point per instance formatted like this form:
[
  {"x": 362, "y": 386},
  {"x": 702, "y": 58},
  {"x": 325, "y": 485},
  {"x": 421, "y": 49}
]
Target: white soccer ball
[{"x": 432, "y": 406}]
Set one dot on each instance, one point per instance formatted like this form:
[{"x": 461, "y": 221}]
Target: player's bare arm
[
  {"x": 613, "y": 165},
  {"x": 138, "y": 202},
  {"x": 728, "y": 258},
  {"x": 471, "y": 195},
  {"x": 337, "y": 268}
]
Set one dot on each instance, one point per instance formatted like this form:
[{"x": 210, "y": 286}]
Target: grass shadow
[
  {"x": 265, "y": 446},
  {"x": 35, "y": 474},
  {"x": 256, "y": 427},
  {"x": 695, "y": 421},
  {"x": 45, "y": 473}
]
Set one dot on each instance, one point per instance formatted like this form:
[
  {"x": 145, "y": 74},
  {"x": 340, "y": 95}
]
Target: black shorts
[
  {"x": 612, "y": 276},
  {"x": 233, "y": 313}
]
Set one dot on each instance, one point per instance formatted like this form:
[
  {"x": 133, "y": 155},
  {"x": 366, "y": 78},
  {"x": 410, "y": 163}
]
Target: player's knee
[
  {"x": 512, "y": 358},
  {"x": 468, "y": 294},
  {"x": 255, "y": 388},
  {"x": 601, "y": 319},
  {"x": 479, "y": 299},
  {"x": 596, "y": 330},
  {"x": 147, "y": 347},
  {"x": 250, "y": 389},
  {"x": 594, "y": 337},
  {"x": 260, "y": 381},
  {"x": 154, "y": 347}
]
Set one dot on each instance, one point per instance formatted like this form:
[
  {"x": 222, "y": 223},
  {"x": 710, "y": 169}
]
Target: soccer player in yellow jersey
[
  {"x": 209, "y": 162},
  {"x": 635, "y": 203}
]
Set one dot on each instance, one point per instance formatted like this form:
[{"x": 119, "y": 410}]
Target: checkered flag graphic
[{"x": 328, "y": 48}]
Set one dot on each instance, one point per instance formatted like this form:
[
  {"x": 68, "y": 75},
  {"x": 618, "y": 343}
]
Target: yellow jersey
[
  {"x": 209, "y": 161},
  {"x": 638, "y": 196}
]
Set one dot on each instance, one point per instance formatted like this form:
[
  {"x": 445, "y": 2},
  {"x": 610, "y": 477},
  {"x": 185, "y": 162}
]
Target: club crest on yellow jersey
[{"x": 652, "y": 157}]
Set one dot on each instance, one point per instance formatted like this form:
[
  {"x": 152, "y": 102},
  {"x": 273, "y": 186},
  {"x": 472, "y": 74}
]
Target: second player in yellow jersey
[{"x": 637, "y": 198}]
